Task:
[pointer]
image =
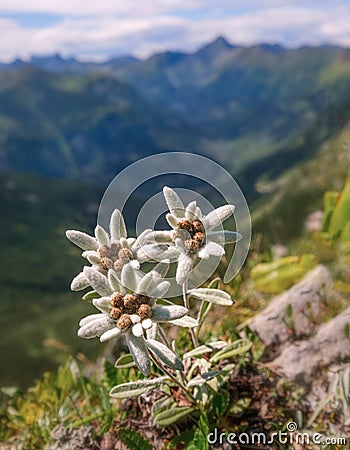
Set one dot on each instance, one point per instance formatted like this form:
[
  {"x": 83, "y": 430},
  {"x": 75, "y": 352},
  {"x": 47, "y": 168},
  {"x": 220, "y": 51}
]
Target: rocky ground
[{"x": 307, "y": 353}]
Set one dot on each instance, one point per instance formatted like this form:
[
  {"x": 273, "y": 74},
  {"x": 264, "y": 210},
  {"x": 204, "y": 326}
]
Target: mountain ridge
[{"x": 245, "y": 107}]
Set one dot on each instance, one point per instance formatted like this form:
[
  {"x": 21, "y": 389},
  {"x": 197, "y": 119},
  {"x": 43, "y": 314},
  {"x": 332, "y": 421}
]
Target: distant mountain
[
  {"x": 285, "y": 202},
  {"x": 80, "y": 125},
  {"x": 257, "y": 110}
]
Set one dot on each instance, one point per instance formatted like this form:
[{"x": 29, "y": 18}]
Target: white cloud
[
  {"x": 129, "y": 32},
  {"x": 130, "y": 8}
]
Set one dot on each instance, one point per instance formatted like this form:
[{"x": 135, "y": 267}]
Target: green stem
[
  {"x": 187, "y": 305},
  {"x": 164, "y": 337},
  {"x": 174, "y": 379},
  {"x": 167, "y": 343}
]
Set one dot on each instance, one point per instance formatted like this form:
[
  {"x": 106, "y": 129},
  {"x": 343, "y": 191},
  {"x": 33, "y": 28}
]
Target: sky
[{"x": 100, "y": 29}]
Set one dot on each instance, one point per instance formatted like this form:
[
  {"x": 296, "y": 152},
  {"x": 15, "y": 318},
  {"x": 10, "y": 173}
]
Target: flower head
[
  {"x": 194, "y": 234},
  {"x": 112, "y": 251},
  {"x": 128, "y": 307}
]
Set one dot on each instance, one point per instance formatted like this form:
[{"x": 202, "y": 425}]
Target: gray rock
[
  {"x": 293, "y": 313},
  {"x": 69, "y": 438},
  {"x": 301, "y": 360}
]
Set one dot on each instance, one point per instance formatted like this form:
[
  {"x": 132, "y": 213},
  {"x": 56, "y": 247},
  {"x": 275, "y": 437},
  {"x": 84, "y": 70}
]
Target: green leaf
[
  {"x": 212, "y": 295},
  {"x": 196, "y": 381},
  {"x": 202, "y": 313},
  {"x": 215, "y": 284},
  {"x": 329, "y": 202},
  {"x": 165, "y": 354},
  {"x": 220, "y": 403},
  {"x": 91, "y": 295},
  {"x": 341, "y": 214},
  {"x": 185, "y": 321},
  {"x": 162, "y": 404},
  {"x": 9, "y": 390},
  {"x": 236, "y": 348},
  {"x": 200, "y": 438},
  {"x": 135, "y": 388},
  {"x": 125, "y": 362},
  {"x": 347, "y": 330},
  {"x": 277, "y": 276},
  {"x": 181, "y": 441},
  {"x": 110, "y": 374},
  {"x": 133, "y": 439},
  {"x": 172, "y": 415},
  {"x": 217, "y": 382},
  {"x": 198, "y": 351},
  {"x": 211, "y": 374},
  {"x": 289, "y": 311},
  {"x": 240, "y": 406}
]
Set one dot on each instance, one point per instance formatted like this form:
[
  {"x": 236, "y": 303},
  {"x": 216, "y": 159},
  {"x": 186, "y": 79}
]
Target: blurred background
[{"x": 86, "y": 88}]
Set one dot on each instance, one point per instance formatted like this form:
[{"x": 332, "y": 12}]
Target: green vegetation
[
  {"x": 247, "y": 389},
  {"x": 288, "y": 151},
  {"x": 36, "y": 305}
]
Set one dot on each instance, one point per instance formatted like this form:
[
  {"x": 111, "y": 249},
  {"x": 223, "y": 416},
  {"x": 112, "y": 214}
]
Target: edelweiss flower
[
  {"x": 132, "y": 312},
  {"x": 194, "y": 233},
  {"x": 112, "y": 252}
]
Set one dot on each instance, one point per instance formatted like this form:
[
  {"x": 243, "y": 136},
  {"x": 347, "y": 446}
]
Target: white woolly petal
[
  {"x": 102, "y": 303},
  {"x": 180, "y": 246},
  {"x": 124, "y": 242},
  {"x": 139, "y": 352},
  {"x": 92, "y": 256},
  {"x": 142, "y": 239},
  {"x": 82, "y": 240},
  {"x": 174, "y": 203},
  {"x": 113, "y": 282},
  {"x": 147, "y": 324},
  {"x": 151, "y": 332},
  {"x": 146, "y": 283},
  {"x": 184, "y": 268},
  {"x": 150, "y": 252},
  {"x": 172, "y": 220},
  {"x": 90, "y": 318},
  {"x": 135, "y": 318},
  {"x": 117, "y": 226},
  {"x": 172, "y": 253},
  {"x": 128, "y": 277},
  {"x": 79, "y": 282},
  {"x": 165, "y": 354},
  {"x": 160, "y": 289},
  {"x": 223, "y": 237},
  {"x": 134, "y": 263},
  {"x": 211, "y": 249},
  {"x": 110, "y": 334},
  {"x": 161, "y": 269},
  {"x": 101, "y": 235},
  {"x": 216, "y": 217},
  {"x": 161, "y": 237},
  {"x": 96, "y": 327},
  {"x": 137, "y": 330},
  {"x": 98, "y": 281},
  {"x": 199, "y": 213},
  {"x": 161, "y": 313},
  {"x": 190, "y": 212},
  {"x": 130, "y": 241}
]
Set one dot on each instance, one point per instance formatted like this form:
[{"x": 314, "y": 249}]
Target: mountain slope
[
  {"x": 284, "y": 203},
  {"x": 80, "y": 125},
  {"x": 249, "y": 108},
  {"x": 35, "y": 271}
]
